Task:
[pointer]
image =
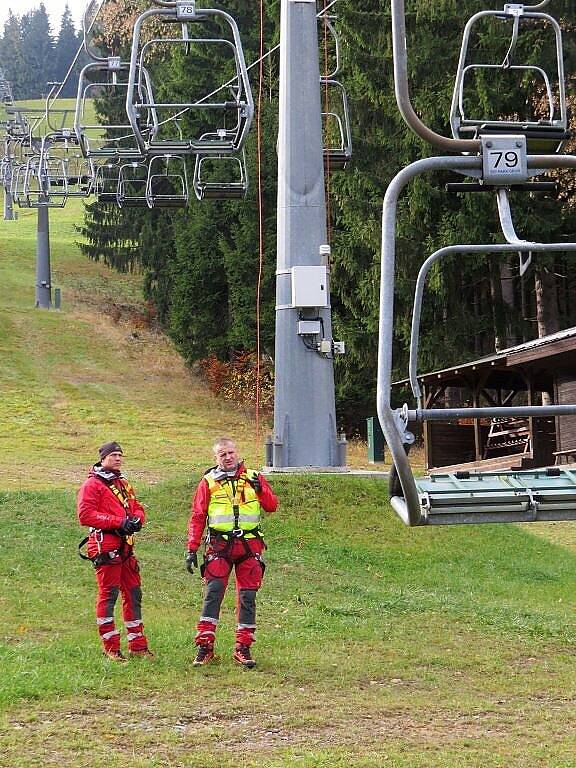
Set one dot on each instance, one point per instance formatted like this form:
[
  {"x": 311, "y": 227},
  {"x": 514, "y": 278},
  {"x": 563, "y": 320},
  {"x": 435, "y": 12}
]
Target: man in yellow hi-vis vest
[{"x": 229, "y": 501}]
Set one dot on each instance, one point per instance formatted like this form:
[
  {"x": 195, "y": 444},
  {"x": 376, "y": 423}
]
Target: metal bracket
[
  {"x": 514, "y": 9},
  {"x": 525, "y": 261},
  {"x": 400, "y": 416},
  {"x": 532, "y": 503}
]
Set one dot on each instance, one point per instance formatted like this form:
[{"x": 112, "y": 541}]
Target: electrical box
[
  {"x": 310, "y": 287},
  {"x": 309, "y": 327}
]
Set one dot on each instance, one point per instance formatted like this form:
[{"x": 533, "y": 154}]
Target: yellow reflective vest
[{"x": 233, "y": 503}]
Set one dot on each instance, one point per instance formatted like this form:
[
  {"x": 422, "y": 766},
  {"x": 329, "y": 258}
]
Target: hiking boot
[
  {"x": 142, "y": 653},
  {"x": 242, "y": 656},
  {"x": 115, "y": 655},
  {"x": 204, "y": 655}
]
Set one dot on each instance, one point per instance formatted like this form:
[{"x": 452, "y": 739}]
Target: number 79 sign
[{"x": 504, "y": 159}]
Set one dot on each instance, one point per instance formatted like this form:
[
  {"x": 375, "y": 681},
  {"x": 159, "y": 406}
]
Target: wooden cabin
[{"x": 537, "y": 372}]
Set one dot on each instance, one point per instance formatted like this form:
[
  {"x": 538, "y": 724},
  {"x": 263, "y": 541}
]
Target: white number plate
[
  {"x": 186, "y": 10},
  {"x": 504, "y": 159}
]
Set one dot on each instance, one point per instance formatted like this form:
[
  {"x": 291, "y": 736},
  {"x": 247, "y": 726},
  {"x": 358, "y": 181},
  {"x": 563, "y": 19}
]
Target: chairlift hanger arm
[
  {"x": 402, "y": 91},
  {"x": 91, "y": 14}
]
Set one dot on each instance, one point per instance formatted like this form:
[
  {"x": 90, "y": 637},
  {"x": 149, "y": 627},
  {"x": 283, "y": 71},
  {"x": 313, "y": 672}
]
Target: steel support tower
[{"x": 304, "y": 410}]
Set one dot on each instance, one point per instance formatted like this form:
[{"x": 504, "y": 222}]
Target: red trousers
[
  {"x": 115, "y": 578},
  {"x": 245, "y": 556}
]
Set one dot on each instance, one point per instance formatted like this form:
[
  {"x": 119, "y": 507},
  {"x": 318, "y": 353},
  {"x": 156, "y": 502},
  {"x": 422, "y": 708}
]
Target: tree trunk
[
  {"x": 508, "y": 298},
  {"x": 546, "y": 301},
  {"x": 498, "y": 316},
  {"x": 546, "y": 308}
]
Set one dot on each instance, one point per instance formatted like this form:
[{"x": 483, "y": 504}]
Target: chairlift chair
[
  {"x": 167, "y": 183},
  {"x": 471, "y": 496},
  {"x": 99, "y": 140},
  {"x": 206, "y": 109},
  {"x": 337, "y": 133},
  {"x": 132, "y": 185},
  {"x": 63, "y": 147},
  {"x": 106, "y": 181},
  {"x": 544, "y": 134},
  {"x": 220, "y": 177},
  {"x": 17, "y": 184}
]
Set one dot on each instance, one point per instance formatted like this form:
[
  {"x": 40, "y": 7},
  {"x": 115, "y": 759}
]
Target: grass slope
[
  {"x": 73, "y": 378},
  {"x": 377, "y": 645}
]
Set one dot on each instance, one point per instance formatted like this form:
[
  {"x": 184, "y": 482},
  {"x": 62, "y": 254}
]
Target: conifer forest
[{"x": 201, "y": 263}]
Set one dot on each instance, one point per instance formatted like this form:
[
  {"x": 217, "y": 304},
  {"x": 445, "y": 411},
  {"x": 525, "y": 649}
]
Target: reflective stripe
[
  {"x": 217, "y": 519},
  {"x": 135, "y": 623},
  {"x": 133, "y": 635},
  {"x": 209, "y": 619},
  {"x": 105, "y": 620},
  {"x": 108, "y": 635},
  {"x": 246, "y": 626}
]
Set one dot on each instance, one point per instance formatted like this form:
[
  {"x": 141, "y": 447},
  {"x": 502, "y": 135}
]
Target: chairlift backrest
[
  {"x": 167, "y": 184},
  {"x": 108, "y": 139},
  {"x": 336, "y": 126},
  {"x": 210, "y": 109},
  {"x": 544, "y": 132}
]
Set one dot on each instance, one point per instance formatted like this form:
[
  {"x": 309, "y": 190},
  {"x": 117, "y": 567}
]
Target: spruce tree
[{"x": 65, "y": 51}]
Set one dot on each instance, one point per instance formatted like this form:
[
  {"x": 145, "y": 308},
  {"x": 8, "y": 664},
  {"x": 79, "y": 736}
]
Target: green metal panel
[{"x": 375, "y": 440}]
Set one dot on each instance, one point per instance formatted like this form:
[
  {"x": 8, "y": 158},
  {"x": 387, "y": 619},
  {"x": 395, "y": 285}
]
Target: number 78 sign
[{"x": 504, "y": 160}]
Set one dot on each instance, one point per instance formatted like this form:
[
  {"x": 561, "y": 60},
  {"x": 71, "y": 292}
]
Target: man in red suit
[
  {"x": 108, "y": 505},
  {"x": 229, "y": 502}
]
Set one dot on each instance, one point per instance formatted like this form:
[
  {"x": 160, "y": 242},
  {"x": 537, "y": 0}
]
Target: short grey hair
[{"x": 220, "y": 441}]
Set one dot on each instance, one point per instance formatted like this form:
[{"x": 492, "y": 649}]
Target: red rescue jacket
[{"x": 104, "y": 511}]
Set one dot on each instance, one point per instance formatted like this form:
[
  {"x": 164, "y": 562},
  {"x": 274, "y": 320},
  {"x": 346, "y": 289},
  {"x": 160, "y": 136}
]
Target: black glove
[
  {"x": 131, "y": 525},
  {"x": 191, "y": 561},
  {"x": 255, "y": 483}
]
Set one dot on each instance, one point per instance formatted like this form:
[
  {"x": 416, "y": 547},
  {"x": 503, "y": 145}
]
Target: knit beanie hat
[{"x": 107, "y": 448}]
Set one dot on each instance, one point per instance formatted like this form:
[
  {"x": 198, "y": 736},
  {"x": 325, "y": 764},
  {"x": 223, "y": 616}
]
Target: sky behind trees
[{"x": 55, "y": 9}]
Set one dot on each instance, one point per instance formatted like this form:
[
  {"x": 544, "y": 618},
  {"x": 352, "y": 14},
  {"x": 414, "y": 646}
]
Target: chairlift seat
[
  {"x": 541, "y": 139},
  {"x": 221, "y": 191},
  {"x": 132, "y": 202},
  {"x": 167, "y": 202},
  {"x": 498, "y": 497},
  {"x": 107, "y": 197},
  {"x": 336, "y": 159}
]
